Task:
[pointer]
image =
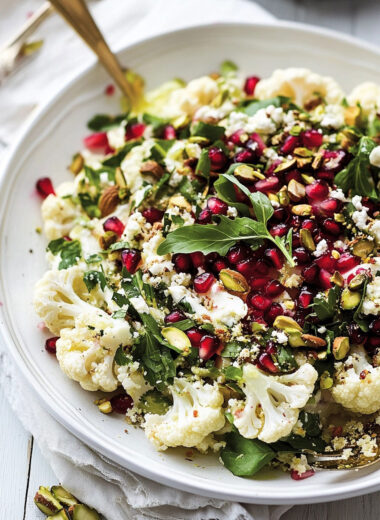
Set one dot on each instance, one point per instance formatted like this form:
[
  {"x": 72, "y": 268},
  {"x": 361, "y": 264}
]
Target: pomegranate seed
[
  {"x": 269, "y": 184},
  {"x": 334, "y": 160},
  {"x": 296, "y": 240},
  {"x": 131, "y": 259},
  {"x": 310, "y": 272},
  {"x": 310, "y": 225},
  {"x": 256, "y": 314},
  {"x": 293, "y": 175},
  {"x": 355, "y": 333},
  {"x": 301, "y": 476},
  {"x": 182, "y": 262},
  {"x": 250, "y": 85},
  {"x": 302, "y": 256},
  {"x": 347, "y": 262},
  {"x": 217, "y": 206},
  {"x": 237, "y": 254},
  {"x": 311, "y": 139},
  {"x": 50, "y": 345},
  {"x": 204, "y": 217},
  {"x": 217, "y": 157},
  {"x": 295, "y": 221},
  {"x": 245, "y": 156},
  {"x": 174, "y": 316},
  {"x": 195, "y": 336},
  {"x": 272, "y": 167},
  {"x": 247, "y": 267},
  {"x": 305, "y": 298},
  {"x": 169, "y": 132},
  {"x": 44, "y": 187},
  {"x": 279, "y": 214},
  {"x": 262, "y": 267},
  {"x": 260, "y": 302},
  {"x": 135, "y": 131},
  {"x": 274, "y": 310},
  {"x": 203, "y": 282},
  {"x": 97, "y": 143},
  {"x": 121, "y": 403},
  {"x": 274, "y": 288},
  {"x": 324, "y": 279},
  {"x": 208, "y": 347},
  {"x": 114, "y": 224},
  {"x": 290, "y": 143},
  {"x": 240, "y": 196},
  {"x": 326, "y": 262},
  {"x": 259, "y": 283},
  {"x": 374, "y": 326},
  {"x": 330, "y": 206},
  {"x": 197, "y": 258},
  {"x": 257, "y": 144},
  {"x": 374, "y": 342},
  {"x": 266, "y": 363},
  {"x": 275, "y": 257},
  {"x": 109, "y": 90},
  {"x": 325, "y": 176},
  {"x": 331, "y": 226},
  {"x": 270, "y": 348},
  {"x": 152, "y": 215},
  {"x": 218, "y": 265},
  {"x": 317, "y": 190},
  {"x": 235, "y": 138},
  {"x": 279, "y": 230}
]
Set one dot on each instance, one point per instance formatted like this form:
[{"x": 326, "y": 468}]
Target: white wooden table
[{"x": 22, "y": 466}]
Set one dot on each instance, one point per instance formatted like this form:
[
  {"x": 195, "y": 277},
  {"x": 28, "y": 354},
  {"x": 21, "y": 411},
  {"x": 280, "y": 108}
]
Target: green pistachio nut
[
  {"x": 177, "y": 338},
  {"x": 46, "y": 502},
  {"x": 63, "y": 496},
  {"x": 350, "y": 299},
  {"x": 341, "y": 347},
  {"x": 83, "y": 512}
]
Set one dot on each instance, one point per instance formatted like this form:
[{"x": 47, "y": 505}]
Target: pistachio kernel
[
  {"x": 357, "y": 282},
  {"x": 307, "y": 239},
  {"x": 363, "y": 247},
  {"x": 296, "y": 190},
  {"x": 350, "y": 299},
  {"x": 285, "y": 166},
  {"x": 337, "y": 279},
  {"x": 177, "y": 338},
  {"x": 233, "y": 281},
  {"x": 302, "y": 210},
  {"x": 287, "y": 324},
  {"x": 341, "y": 347},
  {"x": 326, "y": 381}
]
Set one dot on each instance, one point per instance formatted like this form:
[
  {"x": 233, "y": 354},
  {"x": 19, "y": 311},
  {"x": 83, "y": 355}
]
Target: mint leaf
[
  {"x": 183, "y": 324},
  {"x": 357, "y": 176},
  {"x": 245, "y": 457},
  {"x": 70, "y": 251},
  {"x": 326, "y": 308},
  {"x": 203, "y": 165},
  {"x": 93, "y": 278},
  {"x": 121, "y": 358},
  {"x": 213, "y": 238},
  {"x": 211, "y": 132},
  {"x": 90, "y": 205},
  {"x": 232, "y": 349}
]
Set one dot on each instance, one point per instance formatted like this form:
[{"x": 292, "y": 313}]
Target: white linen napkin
[{"x": 114, "y": 491}]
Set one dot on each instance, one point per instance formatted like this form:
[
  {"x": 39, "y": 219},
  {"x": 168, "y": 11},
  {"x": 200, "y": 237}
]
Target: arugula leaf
[
  {"x": 204, "y": 165},
  {"x": 116, "y": 160},
  {"x": 160, "y": 149},
  {"x": 232, "y": 349},
  {"x": 255, "y": 106},
  {"x": 157, "y": 123},
  {"x": 305, "y": 443},
  {"x": 245, "y": 457},
  {"x": 310, "y": 423},
  {"x": 70, "y": 251},
  {"x": 285, "y": 358},
  {"x": 211, "y": 132},
  {"x": 234, "y": 373},
  {"x": 210, "y": 238},
  {"x": 325, "y": 308},
  {"x": 228, "y": 68},
  {"x": 92, "y": 278},
  {"x": 357, "y": 175},
  {"x": 225, "y": 191},
  {"x": 121, "y": 358},
  {"x": 101, "y": 122},
  {"x": 190, "y": 189}
]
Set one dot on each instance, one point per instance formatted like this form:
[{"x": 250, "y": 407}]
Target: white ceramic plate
[{"x": 45, "y": 149}]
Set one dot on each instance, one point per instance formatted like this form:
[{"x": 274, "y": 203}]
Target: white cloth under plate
[{"x": 115, "y": 492}]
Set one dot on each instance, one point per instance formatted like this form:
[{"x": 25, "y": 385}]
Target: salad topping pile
[{"x": 213, "y": 266}]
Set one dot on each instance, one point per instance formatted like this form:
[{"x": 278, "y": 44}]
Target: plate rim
[{"x": 353, "y": 488}]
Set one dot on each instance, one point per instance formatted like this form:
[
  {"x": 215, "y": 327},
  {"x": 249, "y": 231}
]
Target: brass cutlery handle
[{"x": 78, "y": 16}]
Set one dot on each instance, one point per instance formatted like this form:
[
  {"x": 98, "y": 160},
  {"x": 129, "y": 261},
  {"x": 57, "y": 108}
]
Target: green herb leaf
[
  {"x": 160, "y": 149},
  {"x": 203, "y": 165},
  {"x": 119, "y": 245},
  {"x": 285, "y": 359},
  {"x": 211, "y": 132},
  {"x": 121, "y": 358},
  {"x": 278, "y": 101},
  {"x": 90, "y": 205},
  {"x": 357, "y": 314},
  {"x": 326, "y": 308},
  {"x": 305, "y": 443},
  {"x": 190, "y": 189},
  {"x": 357, "y": 176},
  {"x": 228, "y": 68},
  {"x": 213, "y": 238},
  {"x": 119, "y": 315},
  {"x": 70, "y": 251},
  {"x": 102, "y": 122},
  {"x": 232, "y": 349},
  {"x": 183, "y": 324},
  {"x": 233, "y": 373},
  {"x": 94, "y": 259},
  {"x": 116, "y": 160},
  {"x": 157, "y": 123},
  {"x": 93, "y": 278},
  {"x": 225, "y": 191},
  {"x": 310, "y": 423},
  {"x": 245, "y": 457}
]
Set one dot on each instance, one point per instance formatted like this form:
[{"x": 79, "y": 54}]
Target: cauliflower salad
[{"x": 214, "y": 270}]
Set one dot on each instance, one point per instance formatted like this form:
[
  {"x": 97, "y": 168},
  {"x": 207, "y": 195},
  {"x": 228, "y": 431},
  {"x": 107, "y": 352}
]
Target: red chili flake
[
  {"x": 109, "y": 90},
  {"x": 195, "y": 413},
  {"x": 363, "y": 374},
  {"x": 337, "y": 431}
]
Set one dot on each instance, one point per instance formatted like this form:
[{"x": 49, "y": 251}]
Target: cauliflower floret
[
  {"x": 273, "y": 403},
  {"x": 371, "y": 303},
  {"x": 357, "y": 383},
  {"x": 60, "y": 296},
  {"x": 300, "y": 85},
  {"x": 132, "y": 380},
  {"x": 86, "y": 352},
  {"x": 368, "y": 95},
  {"x": 131, "y": 164},
  {"x": 187, "y": 100},
  {"x": 59, "y": 216},
  {"x": 195, "y": 414}
]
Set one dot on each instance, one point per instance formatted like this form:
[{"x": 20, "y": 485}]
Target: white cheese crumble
[
  {"x": 333, "y": 116},
  {"x": 321, "y": 249},
  {"x": 359, "y": 216},
  {"x": 371, "y": 303},
  {"x": 338, "y": 194},
  {"x": 280, "y": 336},
  {"x": 116, "y": 137}
]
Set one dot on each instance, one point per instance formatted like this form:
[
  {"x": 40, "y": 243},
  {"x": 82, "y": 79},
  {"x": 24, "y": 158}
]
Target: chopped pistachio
[
  {"x": 63, "y": 496},
  {"x": 105, "y": 407},
  {"x": 318, "y": 160},
  {"x": 357, "y": 282},
  {"x": 77, "y": 164},
  {"x": 352, "y": 116},
  {"x": 307, "y": 178},
  {"x": 233, "y": 281},
  {"x": 335, "y": 254},
  {"x": 180, "y": 202},
  {"x": 350, "y": 299},
  {"x": 363, "y": 247},
  {"x": 302, "y": 210},
  {"x": 243, "y": 171},
  {"x": 303, "y": 162},
  {"x": 338, "y": 279},
  {"x": 307, "y": 239},
  {"x": 177, "y": 338},
  {"x": 341, "y": 347},
  {"x": 303, "y": 152},
  {"x": 197, "y": 139},
  {"x": 283, "y": 197},
  {"x": 273, "y": 197},
  {"x": 295, "y": 339},
  {"x": 107, "y": 239},
  {"x": 287, "y": 324},
  {"x": 83, "y": 512},
  {"x": 120, "y": 178},
  {"x": 285, "y": 166},
  {"x": 326, "y": 381},
  {"x": 296, "y": 190},
  {"x": 45, "y": 501}
]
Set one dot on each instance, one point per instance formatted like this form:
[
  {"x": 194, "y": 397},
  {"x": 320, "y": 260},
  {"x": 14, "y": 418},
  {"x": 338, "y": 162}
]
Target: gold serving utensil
[{"x": 76, "y": 13}]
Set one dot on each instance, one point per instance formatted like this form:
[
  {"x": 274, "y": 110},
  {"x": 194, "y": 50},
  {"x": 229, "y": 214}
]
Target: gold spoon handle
[{"x": 78, "y": 16}]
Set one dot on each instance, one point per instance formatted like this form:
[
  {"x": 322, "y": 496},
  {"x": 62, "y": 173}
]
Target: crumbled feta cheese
[
  {"x": 374, "y": 229},
  {"x": 338, "y": 194},
  {"x": 131, "y": 164},
  {"x": 260, "y": 122},
  {"x": 357, "y": 202},
  {"x": 116, "y": 137},
  {"x": 134, "y": 227},
  {"x": 368, "y": 446},
  {"x": 232, "y": 212},
  {"x": 338, "y": 443},
  {"x": 371, "y": 303},
  {"x": 280, "y": 336},
  {"x": 175, "y": 179},
  {"x": 321, "y": 249},
  {"x": 333, "y": 116},
  {"x": 139, "y": 304},
  {"x": 374, "y": 157},
  {"x": 290, "y": 277},
  {"x": 322, "y": 329}
]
